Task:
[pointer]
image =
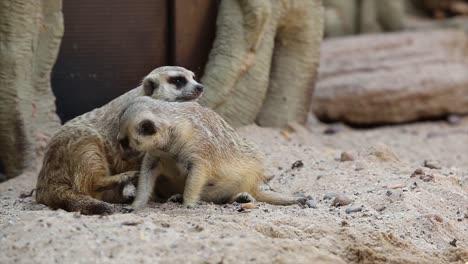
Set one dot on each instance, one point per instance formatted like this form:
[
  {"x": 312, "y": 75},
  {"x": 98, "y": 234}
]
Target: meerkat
[
  {"x": 83, "y": 168},
  {"x": 215, "y": 163}
]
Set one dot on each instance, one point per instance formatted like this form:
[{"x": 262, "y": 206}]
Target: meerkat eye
[
  {"x": 147, "y": 128},
  {"x": 178, "y": 81}
]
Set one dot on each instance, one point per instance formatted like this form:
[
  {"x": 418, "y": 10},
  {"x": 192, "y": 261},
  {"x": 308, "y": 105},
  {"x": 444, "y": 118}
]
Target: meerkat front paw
[
  {"x": 189, "y": 205},
  {"x": 127, "y": 210},
  {"x": 176, "y": 198}
]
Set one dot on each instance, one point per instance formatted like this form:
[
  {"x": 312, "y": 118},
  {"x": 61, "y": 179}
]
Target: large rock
[{"x": 392, "y": 78}]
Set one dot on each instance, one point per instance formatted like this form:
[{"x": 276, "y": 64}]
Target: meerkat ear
[
  {"x": 150, "y": 85},
  {"x": 147, "y": 128}
]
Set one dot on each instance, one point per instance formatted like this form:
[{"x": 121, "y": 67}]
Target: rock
[
  {"x": 296, "y": 165},
  {"x": 396, "y": 186},
  {"x": 453, "y": 243},
  {"x": 383, "y": 153},
  {"x": 353, "y": 210},
  {"x": 359, "y": 166},
  {"x": 311, "y": 203},
  {"x": 329, "y": 196},
  {"x": 411, "y": 76},
  {"x": 131, "y": 223},
  {"x": 341, "y": 200},
  {"x": 431, "y": 164},
  {"x": 333, "y": 129},
  {"x": 346, "y": 156},
  {"x": 248, "y": 206},
  {"x": 417, "y": 172},
  {"x": 453, "y": 120},
  {"x": 302, "y": 200},
  {"x": 427, "y": 177},
  {"x": 436, "y": 217}
]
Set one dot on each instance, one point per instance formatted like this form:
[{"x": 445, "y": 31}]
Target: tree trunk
[
  {"x": 392, "y": 78},
  {"x": 264, "y": 60},
  {"x": 30, "y": 34}
]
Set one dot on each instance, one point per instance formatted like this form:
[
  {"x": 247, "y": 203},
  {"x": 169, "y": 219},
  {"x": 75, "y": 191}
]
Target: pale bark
[
  {"x": 30, "y": 35},
  {"x": 264, "y": 60}
]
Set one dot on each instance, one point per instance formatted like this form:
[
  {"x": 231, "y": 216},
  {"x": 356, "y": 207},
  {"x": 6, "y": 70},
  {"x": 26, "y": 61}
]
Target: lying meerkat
[
  {"x": 83, "y": 168},
  {"x": 216, "y": 164}
]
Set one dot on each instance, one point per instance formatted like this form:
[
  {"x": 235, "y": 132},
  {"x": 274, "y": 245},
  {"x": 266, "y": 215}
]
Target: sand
[{"x": 402, "y": 219}]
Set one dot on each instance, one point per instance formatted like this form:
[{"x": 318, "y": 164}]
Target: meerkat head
[
  {"x": 141, "y": 131},
  {"x": 172, "y": 84}
]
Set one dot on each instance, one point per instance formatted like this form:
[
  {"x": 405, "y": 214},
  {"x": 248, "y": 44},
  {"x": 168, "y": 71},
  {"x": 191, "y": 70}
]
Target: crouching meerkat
[
  {"x": 83, "y": 168},
  {"x": 216, "y": 164}
]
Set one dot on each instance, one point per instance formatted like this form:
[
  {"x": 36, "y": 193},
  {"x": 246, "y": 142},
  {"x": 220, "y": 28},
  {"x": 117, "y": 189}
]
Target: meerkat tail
[
  {"x": 75, "y": 202},
  {"x": 273, "y": 198}
]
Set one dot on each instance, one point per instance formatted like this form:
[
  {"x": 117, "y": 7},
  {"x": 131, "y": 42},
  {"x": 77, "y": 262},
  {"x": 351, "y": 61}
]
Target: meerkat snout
[
  {"x": 174, "y": 85},
  {"x": 199, "y": 88}
]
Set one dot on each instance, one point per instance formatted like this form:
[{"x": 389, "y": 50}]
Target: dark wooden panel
[
  {"x": 194, "y": 26},
  {"x": 108, "y": 46}
]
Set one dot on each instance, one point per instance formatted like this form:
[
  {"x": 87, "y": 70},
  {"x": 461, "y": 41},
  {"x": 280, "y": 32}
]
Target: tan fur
[
  {"x": 215, "y": 163},
  {"x": 83, "y": 168}
]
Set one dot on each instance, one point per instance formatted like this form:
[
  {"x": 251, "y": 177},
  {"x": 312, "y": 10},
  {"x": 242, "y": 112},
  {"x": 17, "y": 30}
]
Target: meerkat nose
[{"x": 199, "y": 88}]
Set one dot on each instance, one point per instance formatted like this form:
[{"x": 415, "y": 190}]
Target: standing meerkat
[
  {"x": 83, "y": 168},
  {"x": 215, "y": 163}
]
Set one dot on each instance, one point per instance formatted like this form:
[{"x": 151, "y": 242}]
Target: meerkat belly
[
  {"x": 228, "y": 180},
  {"x": 170, "y": 181}
]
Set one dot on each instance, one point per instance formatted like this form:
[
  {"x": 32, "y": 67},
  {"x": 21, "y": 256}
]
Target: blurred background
[{"x": 271, "y": 63}]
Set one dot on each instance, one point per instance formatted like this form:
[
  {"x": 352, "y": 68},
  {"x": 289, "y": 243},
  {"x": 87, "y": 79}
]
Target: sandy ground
[{"x": 403, "y": 219}]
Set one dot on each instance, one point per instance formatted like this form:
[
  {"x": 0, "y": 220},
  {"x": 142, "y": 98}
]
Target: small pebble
[
  {"x": 286, "y": 135},
  {"x": 248, "y": 206},
  {"x": 329, "y": 196},
  {"x": 296, "y": 165},
  {"x": 453, "y": 243},
  {"x": 431, "y": 164},
  {"x": 302, "y": 200},
  {"x": 346, "y": 156},
  {"x": 333, "y": 129},
  {"x": 427, "y": 177},
  {"x": 341, "y": 200},
  {"x": 389, "y": 193},
  {"x": 311, "y": 203},
  {"x": 359, "y": 166},
  {"x": 436, "y": 217},
  {"x": 453, "y": 119},
  {"x": 280, "y": 168},
  {"x": 417, "y": 172},
  {"x": 396, "y": 186},
  {"x": 353, "y": 210},
  {"x": 131, "y": 223}
]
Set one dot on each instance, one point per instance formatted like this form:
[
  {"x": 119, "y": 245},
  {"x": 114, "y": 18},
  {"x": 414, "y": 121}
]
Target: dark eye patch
[
  {"x": 147, "y": 128},
  {"x": 179, "y": 81},
  {"x": 124, "y": 143}
]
